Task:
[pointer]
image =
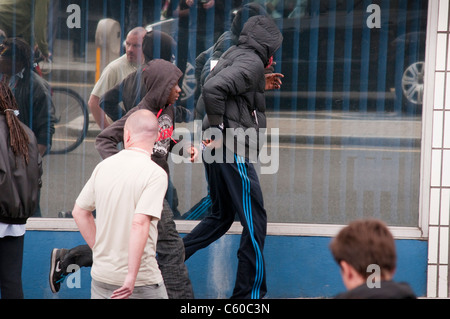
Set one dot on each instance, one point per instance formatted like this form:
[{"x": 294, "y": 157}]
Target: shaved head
[{"x": 141, "y": 127}]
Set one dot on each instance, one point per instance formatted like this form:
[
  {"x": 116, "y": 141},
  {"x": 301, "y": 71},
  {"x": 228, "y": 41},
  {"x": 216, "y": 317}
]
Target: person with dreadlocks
[{"x": 20, "y": 181}]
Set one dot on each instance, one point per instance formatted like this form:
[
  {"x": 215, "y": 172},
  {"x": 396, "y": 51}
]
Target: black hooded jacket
[
  {"x": 233, "y": 93},
  {"x": 225, "y": 41}
]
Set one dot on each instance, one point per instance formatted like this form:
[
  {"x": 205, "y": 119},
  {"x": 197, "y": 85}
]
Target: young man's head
[
  {"x": 160, "y": 80},
  {"x": 360, "y": 244}
]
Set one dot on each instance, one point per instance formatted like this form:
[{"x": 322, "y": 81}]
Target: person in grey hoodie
[{"x": 234, "y": 100}]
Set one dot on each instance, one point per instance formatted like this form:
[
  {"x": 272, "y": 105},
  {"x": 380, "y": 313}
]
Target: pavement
[{"x": 301, "y": 127}]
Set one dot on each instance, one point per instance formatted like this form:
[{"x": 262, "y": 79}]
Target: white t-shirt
[
  {"x": 113, "y": 74},
  {"x": 122, "y": 185},
  {"x": 13, "y": 230}
]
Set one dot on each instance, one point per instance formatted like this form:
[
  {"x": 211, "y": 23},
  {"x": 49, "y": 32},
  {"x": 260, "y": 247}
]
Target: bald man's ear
[{"x": 126, "y": 137}]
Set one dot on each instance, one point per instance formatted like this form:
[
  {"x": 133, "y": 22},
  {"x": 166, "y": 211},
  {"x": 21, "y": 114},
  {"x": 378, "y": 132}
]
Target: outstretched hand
[{"x": 273, "y": 81}]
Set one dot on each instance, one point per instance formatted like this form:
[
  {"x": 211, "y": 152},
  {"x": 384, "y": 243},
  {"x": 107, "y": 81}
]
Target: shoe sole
[{"x": 52, "y": 270}]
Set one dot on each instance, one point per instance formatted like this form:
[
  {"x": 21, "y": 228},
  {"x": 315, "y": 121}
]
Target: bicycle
[{"x": 71, "y": 114}]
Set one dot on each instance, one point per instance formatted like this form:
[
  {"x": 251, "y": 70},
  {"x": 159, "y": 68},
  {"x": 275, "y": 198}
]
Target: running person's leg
[
  {"x": 243, "y": 184},
  {"x": 61, "y": 259},
  {"x": 170, "y": 256},
  {"x": 217, "y": 223}
]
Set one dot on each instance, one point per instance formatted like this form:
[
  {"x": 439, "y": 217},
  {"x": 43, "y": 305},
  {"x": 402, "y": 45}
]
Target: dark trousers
[
  {"x": 11, "y": 258},
  {"x": 234, "y": 188}
]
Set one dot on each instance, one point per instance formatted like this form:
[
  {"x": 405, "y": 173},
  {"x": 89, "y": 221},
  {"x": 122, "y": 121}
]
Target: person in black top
[{"x": 233, "y": 95}]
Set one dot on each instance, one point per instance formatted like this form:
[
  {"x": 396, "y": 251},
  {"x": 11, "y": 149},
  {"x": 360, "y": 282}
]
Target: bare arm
[
  {"x": 97, "y": 112},
  {"x": 86, "y": 224},
  {"x": 138, "y": 239}
]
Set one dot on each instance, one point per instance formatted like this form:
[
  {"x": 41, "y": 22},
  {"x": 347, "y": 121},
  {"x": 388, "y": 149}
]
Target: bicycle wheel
[{"x": 72, "y": 120}]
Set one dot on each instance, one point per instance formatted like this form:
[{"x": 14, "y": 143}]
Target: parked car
[{"x": 352, "y": 55}]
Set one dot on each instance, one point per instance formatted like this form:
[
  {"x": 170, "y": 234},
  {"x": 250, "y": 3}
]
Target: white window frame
[{"x": 329, "y": 230}]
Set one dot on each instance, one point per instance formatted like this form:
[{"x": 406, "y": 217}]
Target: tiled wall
[{"x": 439, "y": 177}]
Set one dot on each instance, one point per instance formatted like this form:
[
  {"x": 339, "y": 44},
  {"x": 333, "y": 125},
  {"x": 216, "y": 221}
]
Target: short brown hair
[{"x": 363, "y": 243}]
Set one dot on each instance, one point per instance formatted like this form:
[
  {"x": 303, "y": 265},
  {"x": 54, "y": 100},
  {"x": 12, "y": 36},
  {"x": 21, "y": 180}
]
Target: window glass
[{"x": 344, "y": 130}]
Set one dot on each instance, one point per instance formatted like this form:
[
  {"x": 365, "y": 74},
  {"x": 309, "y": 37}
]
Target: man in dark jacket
[{"x": 235, "y": 106}]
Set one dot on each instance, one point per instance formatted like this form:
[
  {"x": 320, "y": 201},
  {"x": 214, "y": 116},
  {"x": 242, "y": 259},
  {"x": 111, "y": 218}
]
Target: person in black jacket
[
  {"x": 233, "y": 95},
  {"x": 365, "y": 252},
  {"x": 203, "y": 65},
  {"x": 20, "y": 181}
]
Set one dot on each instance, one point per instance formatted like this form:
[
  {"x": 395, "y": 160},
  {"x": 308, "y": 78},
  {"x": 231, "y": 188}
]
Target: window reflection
[{"x": 348, "y": 113}]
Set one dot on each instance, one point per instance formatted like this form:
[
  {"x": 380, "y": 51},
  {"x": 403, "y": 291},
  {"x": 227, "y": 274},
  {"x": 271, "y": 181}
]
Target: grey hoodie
[{"x": 158, "y": 77}]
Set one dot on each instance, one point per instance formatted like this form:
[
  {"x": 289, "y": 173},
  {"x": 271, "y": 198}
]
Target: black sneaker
[{"x": 57, "y": 275}]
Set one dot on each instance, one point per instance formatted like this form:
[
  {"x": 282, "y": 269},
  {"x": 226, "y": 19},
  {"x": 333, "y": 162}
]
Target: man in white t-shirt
[
  {"x": 116, "y": 71},
  {"x": 127, "y": 190}
]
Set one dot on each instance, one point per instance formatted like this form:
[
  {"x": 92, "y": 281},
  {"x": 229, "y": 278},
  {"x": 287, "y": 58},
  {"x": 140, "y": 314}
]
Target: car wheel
[
  {"x": 412, "y": 83},
  {"x": 189, "y": 84}
]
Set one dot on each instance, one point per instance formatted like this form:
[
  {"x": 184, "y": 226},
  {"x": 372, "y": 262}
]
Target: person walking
[
  {"x": 161, "y": 79},
  {"x": 20, "y": 181},
  {"x": 127, "y": 191},
  {"x": 116, "y": 71},
  {"x": 234, "y": 101}
]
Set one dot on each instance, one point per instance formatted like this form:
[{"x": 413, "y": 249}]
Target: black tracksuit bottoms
[{"x": 234, "y": 188}]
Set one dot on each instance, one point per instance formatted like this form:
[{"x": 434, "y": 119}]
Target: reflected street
[{"x": 320, "y": 179}]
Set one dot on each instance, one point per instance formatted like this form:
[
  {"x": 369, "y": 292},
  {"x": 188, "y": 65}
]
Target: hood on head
[
  {"x": 242, "y": 15},
  {"x": 159, "y": 77},
  {"x": 261, "y": 34},
  {"x": 158, "y": 44}
]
